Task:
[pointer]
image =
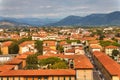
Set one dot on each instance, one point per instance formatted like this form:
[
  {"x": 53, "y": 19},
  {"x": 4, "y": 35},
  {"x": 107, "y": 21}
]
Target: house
[
  {"x": 23, "y": 57},
  {"x": 118, "y": 39},
  {"x": 27, "y": 46},
  {"x": 95, "y": 47},
  {"x": 50, "y": 43},
  {"x": 69, "y": 51},
  {"x": 107, "y": 66},
  {"x": 6, "y": 68},
  {"x": 39, "y": 37},
  {"x": 16, "y": 62},
  {"x": 79, "y": 51},
  {"x": 49, "y": 50},
  {"x": 4, "y": 47},
  {"x": 109, "y": 49}
]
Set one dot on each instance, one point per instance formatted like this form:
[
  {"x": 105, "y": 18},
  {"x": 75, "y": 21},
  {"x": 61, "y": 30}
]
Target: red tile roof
[
  {"x": 110, "y": 65},
  {"x": 6, "y": 67},
  {"x": 26, "y": 43},
  {"x": 82, "y": 62},
  {"x": 111, "y": 47},
  {"x": 58, "y": 72},
  {"x": 14, "y": 61},
  {"x": 94, "y": 42},
  {"x": 70, "y": 51},
  {"x": 50, "y": 43},
  {"x": 23, "y": 56},
  {"x": 95, "y": 46},
  {"x": 6, "y": 44},
  {"x": 28, "y": 53}
]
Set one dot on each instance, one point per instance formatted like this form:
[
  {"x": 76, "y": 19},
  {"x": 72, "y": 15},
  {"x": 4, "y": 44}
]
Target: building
[
  {"x": 27, "y": 46},
  {"x": 4, "y": 47},
  {"x": 107, "y": 66},
  {"x": 82, "y": 70},
  {"x": 95, "y": 47},
  {"x": 50, "y": 44},
  {"x": 109, "y": 49}
]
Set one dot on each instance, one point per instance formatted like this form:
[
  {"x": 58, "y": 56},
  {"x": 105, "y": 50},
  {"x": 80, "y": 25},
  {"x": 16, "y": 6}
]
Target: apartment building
[{"x": 107, "y": 66}]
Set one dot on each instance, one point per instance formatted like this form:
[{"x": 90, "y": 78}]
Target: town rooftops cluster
[{"x": 80, "y": 62}]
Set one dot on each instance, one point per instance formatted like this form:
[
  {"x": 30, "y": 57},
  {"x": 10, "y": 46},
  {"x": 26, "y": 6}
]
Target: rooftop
[
  {"x": 58, "y": 72},
  {"x": 110, "y": 65},
  {"x": 111, "y": 47}
]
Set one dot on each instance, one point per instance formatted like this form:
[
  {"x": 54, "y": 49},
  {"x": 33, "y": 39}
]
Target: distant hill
[
  {"x": 70, "y": 20},
  {"x": 29, "y": 21},
  {"x": 91, "y": 20}
]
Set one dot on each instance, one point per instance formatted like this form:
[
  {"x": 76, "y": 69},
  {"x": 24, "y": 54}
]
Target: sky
[{"x": 56, "y": 8}]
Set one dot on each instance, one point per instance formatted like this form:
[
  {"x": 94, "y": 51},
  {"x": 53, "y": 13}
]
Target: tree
[
  {"x": 59, "y": 65},
  {"x": 70, "y": 41},
  {"x": 24, "y": 39},
  {"x": 32, "y": 62},
  {"x": 105, "y": 43},
  {"x": 39, "y": 47},
  {"x": 13, "y": 48},
  {"x": 60, "y": 48},
  {"x": 53, "y": 63},
  {"x": 115, "y": 53},
  {"x": 101, "y": 37},
  {"x": 50, "y": 60}
]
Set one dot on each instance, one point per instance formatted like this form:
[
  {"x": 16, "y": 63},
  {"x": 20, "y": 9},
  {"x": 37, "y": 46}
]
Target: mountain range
[{"x": 90, "y": 20}]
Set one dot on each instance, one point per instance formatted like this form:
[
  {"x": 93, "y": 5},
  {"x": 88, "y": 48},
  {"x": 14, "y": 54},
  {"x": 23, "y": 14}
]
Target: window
[
  {"x": 39, "y": 78},
  {"x": 46, "y": 78},
  {"x": 26, "y": 78},
  {"x": 1, "y": 78},
  {"x": 18, "y": 78},
  {"x": 52, "y": 77},
  {"x": 69, "y": 78},
  {"x": 84, "y": 70},
  {"x": 7, "y": 78},
  {"x": 32, "y": 78},
  {"x": 84, "y": 77},
  {"x": 13, "y": 78},
  {"x": 64, "y": 78},
  {"x": 58, "y": 78}
]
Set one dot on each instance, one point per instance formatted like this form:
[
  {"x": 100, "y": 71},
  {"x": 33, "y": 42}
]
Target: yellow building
[
  {"x": 50, "y": 44},
  {"x": 4, "y": 47}
]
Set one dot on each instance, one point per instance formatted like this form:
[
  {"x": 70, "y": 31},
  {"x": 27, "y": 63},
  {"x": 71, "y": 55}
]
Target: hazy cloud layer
[{"x": 56, "y": 8}]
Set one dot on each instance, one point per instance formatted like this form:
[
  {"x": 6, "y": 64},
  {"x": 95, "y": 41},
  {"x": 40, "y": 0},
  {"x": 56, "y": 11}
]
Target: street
[{"x": 96, "y": 73}]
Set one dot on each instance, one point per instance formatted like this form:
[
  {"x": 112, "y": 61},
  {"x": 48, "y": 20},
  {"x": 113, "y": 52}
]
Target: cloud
[{"x": 56, "y": 8}]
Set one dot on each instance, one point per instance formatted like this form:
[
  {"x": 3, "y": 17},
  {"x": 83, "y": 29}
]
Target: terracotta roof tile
[
  {"x": 26, "y": 43},
  {"x": 106, "y": 61},
  {"x": 82, "y": 62},
  {"x": 93, "y": 42},
  {"x": 95, "y": 46},
  {"x": 6, "y": 44},
  {"x": 14, "y": 61},
  {"x": 6, "y": 67},
  {"x": 50, "y": 43},
  {"x": 111, "y": 47},
  {"x": 59, "y": 72}
]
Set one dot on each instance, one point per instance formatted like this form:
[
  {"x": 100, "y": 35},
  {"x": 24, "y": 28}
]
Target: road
[{"x": 96, "y": 73}]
